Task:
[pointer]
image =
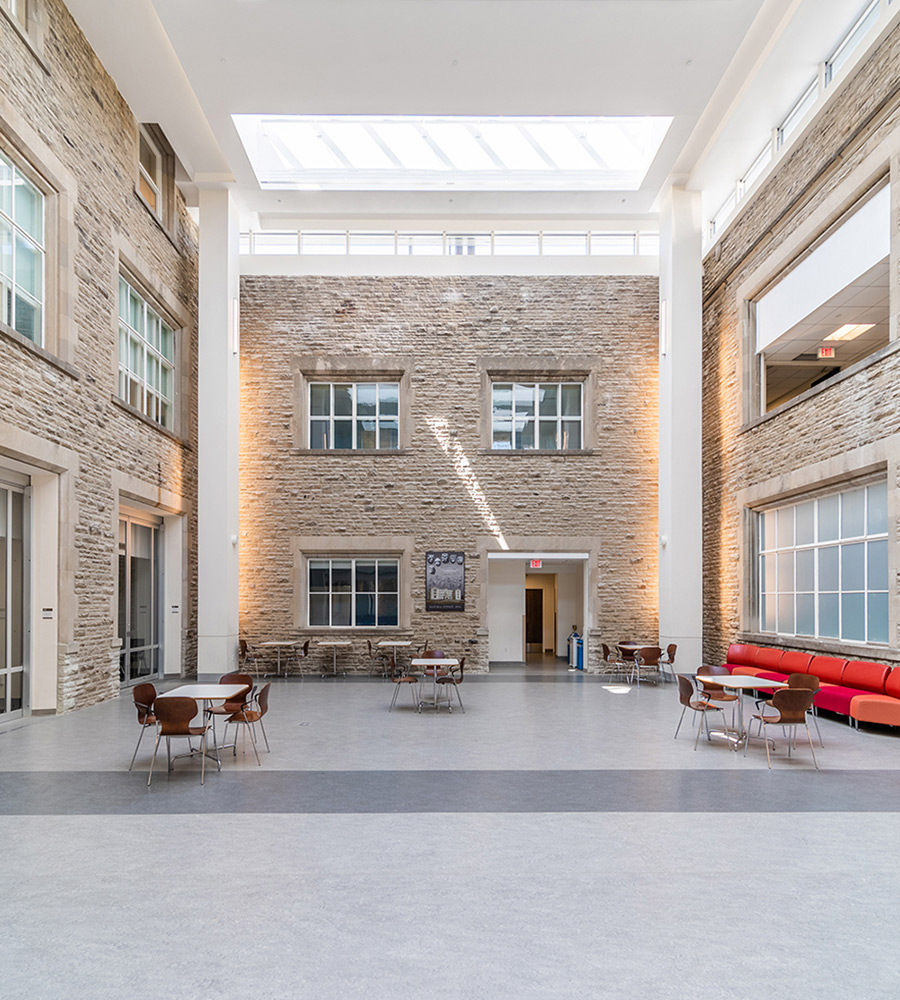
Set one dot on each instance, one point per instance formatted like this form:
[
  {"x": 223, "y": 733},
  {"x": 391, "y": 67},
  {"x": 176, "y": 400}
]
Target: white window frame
[
  {"x": 353, "y": 593},
  {"x": 128, "y": 336},
  {"x": 536, "y": 417},
  {"x": 17, "y": 175},
  {"x": 329, "y": 419},
  {"x": 784, "y": 567},
  {"x": 155, "y": 183}
]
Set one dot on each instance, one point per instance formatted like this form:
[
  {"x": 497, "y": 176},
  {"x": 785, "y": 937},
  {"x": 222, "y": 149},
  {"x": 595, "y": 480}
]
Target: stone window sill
[
  {"x": 41, "y": 352},
  {"x": 135, "y": 412}
]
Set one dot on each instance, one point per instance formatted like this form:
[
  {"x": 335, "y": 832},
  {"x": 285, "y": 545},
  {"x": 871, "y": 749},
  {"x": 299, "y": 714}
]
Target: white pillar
[
  {"x": 680, "y": 409},
  {"x": 217, "y": 551}
]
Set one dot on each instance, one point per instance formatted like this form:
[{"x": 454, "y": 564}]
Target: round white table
[{"x": 278, "y": 645}]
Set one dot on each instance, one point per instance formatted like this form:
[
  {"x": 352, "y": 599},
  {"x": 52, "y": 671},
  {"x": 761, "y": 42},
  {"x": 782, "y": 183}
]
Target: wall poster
[{"x": 445, "y": 581}]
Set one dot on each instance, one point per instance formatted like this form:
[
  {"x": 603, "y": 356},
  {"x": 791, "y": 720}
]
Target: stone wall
[
  {"x": 450, "y": 332},
  {"x": 59, "y": 107},
  {"x": 831, "y": 434}
]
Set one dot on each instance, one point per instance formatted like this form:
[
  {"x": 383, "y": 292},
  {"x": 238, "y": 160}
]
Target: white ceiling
[{"x": 190, "y": 64}]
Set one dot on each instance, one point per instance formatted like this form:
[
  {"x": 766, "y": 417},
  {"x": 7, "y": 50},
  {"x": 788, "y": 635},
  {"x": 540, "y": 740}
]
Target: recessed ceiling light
[{"x": 849, "y": 331}]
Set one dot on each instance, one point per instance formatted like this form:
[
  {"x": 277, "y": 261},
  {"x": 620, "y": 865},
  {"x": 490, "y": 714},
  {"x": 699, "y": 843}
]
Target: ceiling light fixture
[{"x": 850, "y": 331}]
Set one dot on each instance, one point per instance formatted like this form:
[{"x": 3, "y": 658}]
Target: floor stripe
[{"x": 179, "y": 792}]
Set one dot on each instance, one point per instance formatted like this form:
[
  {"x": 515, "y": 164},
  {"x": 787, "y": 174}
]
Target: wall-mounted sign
[
  {"x": 826, "y": 352},
  {"x": 445, "y": 581},
  {"x": 536, "y": 563}
]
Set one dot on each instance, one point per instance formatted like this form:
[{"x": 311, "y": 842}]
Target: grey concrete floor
[{"x": 552, "y": 842}]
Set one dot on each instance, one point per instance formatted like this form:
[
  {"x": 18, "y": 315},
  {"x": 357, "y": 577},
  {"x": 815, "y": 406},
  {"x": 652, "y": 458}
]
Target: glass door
[
  {"x": 139, "y": 602},
  {"x": 13, "y": 644}
]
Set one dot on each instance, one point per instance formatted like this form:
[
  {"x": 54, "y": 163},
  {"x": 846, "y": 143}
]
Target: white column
[
  {"x": 217, "y": 551},
  {"x": 680, "y": 408}
]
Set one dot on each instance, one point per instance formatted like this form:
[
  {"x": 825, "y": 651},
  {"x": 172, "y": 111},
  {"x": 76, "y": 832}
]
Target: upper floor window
[
  {"x": 22, "y": 252},
  {"x": 354, "y": 592},
  {"x": 150, "y": 172},
  {"x": 18, "y": 9},
  {"x": 146, "y": 357},
  {"x": 828, "y": 312},
  {"x": 823, "y": 567},
  {"x": 354, "y": 415},
  {"x": 529, "y": 415}
]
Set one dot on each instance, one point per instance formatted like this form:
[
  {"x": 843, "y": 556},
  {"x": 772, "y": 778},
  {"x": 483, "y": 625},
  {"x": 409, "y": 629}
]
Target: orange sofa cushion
[
  {"x": 747, "y": 671},
  {"x": 880, "y": 708},
  {"x": 865, "y": 675},
  {"x": 827, "y": 668}
]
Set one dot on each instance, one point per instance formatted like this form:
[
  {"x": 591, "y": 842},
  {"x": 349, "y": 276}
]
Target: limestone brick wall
[
  {"x": 62, "y": 108},
  {"x": 843, "y": 429},
  {"x": 446, "y": 490}
]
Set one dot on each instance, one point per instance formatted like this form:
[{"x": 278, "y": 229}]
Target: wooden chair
[
  {"x": 378, "y": 662},
  {"x": 248, "y": 659},
  {"x": 791, "y": 704},
  {"x": 646, "y": 656},
  {"x": 249, "y": 717},
  {"x": 399, "y": 677},
  {"x": 453, "y": 677},
  {"x": 230, "y": 707},
  {"x": 668, "y": 658},
  {"x": 609, "y": 664},
  {"x": 173, "y": 721},
  {"x": 715, "y": 692},
  {"x": 144, "y": 695},
  {"x": 701, "y": 704}
]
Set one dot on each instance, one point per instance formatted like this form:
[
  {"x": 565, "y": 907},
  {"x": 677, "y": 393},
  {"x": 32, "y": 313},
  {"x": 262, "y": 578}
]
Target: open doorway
[{"x": 533, "y": 600}]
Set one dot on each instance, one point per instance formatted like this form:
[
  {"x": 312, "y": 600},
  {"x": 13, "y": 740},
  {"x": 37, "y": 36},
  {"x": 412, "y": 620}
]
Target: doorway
[
  {"x": 14, "y": 613},
  {"x": 139, "y": 597},
  {"x": 534, "y": 620}
]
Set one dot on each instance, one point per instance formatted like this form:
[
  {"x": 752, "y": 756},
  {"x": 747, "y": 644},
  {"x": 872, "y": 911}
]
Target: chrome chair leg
[
  {"x": 153, "y": 758},
  {"x": 266, "y": 738},
  {"x": 137, "y": 747}
]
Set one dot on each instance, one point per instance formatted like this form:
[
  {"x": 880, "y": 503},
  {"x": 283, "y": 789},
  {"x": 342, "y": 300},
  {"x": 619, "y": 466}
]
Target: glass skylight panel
[
  {"x": 461, "y": 147},
  {"x": 354, "y": 141},
  {"x": 512, "y": 146},
  {"x": 409, "y": 146},
  {"x": 304, "y": 143},
  {"x": 419, "y": 153},
  {"x": 563, "y": 147}
]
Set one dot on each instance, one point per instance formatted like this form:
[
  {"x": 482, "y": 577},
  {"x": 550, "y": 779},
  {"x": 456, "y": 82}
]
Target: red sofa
[{"x": 861, "y": 690}]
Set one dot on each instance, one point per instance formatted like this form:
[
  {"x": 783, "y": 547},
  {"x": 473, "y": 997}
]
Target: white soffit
[
  {"x": 855, "y": 247},
  {"x": 419, "y": 153}
]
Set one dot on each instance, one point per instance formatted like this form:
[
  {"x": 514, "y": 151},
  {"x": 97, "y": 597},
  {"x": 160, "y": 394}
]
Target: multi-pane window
[
  {"x": 823, "y": 567},
  {"x": 150, "y": 173},
  {"x": 19, "y": 10},
  {"x": 22, "y": 252},
  {"x": 146, "y": 357},
  {"x": 545, "y": 415},
  {"x": 354, "y": 592},
  {"x": 348, "y": 415}
]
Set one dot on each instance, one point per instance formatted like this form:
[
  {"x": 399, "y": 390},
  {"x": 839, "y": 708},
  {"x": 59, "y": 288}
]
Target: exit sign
[
  {"x": 535, "y": 563},
  {"x": 826, "y": 352}
]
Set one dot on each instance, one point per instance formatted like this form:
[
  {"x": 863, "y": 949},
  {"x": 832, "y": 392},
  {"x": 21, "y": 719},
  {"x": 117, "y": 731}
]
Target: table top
[
  {"x": 335, "y": 642},
  {"x": 633, "y": 645},
  {"x": 204, "y": 692},
  {"x": 280, "y": 642},
  {"x": 434, "y": 661},
  {"x": 395, "y": 642},
  {"x": 742, "y": 681}
]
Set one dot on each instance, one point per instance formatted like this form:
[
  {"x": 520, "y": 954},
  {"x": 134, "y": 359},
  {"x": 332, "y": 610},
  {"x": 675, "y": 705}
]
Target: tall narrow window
[
  {"x": 542, "y": 415},
  {"x": 150, "y": 173},
  {"x": 22, "y": 252},
  {"x": 354, "y": 415},
  {"x": 823, "y": 567},
  {"x": 146, "y": 357}
]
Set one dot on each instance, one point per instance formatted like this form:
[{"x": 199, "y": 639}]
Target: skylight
[{"x": 358, "y": 152}]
